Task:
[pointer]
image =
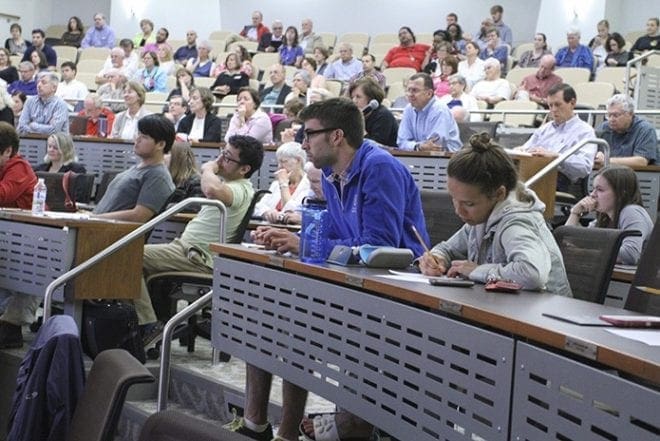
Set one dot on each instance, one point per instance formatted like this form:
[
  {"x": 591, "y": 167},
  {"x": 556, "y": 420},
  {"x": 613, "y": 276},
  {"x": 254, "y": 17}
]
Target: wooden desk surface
[
  {"x": 117, "y": 276},
  {"x": 519, "y": 314}
]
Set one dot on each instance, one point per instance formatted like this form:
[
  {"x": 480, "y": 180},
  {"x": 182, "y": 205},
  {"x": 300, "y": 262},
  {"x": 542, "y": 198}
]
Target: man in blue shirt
[
  {"x": 372, "y": 199},
  {"x": 575, "y": 54},
  {"x": 45, "y": 113},
  {"x": 26, "y": 83},
  {"x": 185, "y": 53},
  {"x": 633, "y": 140},
  {"x": 39, "y": 42},
  {"x": 100, "y": 35},
  {"x": 426, "y": 124}
]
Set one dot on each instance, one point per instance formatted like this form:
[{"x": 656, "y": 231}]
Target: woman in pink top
[{"x": 249, "y": 119}]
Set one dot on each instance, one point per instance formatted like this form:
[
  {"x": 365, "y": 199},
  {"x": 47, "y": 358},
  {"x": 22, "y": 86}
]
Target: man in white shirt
[
  {"x": 71, "y": 90},
  {"x": 345, "y": 67},
  {"x": 308, "y": 39}
]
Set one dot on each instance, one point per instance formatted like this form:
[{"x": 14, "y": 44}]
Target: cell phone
[
  {"x": 632, "y": 321},
  {"x": 450, "y": 281}
]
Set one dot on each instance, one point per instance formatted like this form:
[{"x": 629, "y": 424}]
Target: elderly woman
[
  {"x": 379, "y": 123},
  {"x": 60, "y": 155},
  {"x": 289, "y": 187},
  {"x": 492, "y": 89},
  {"x": 200, "y": 124},
  {"x": 231, "y": 79},
  {"x": 203, "y": 65},
  {"x": 301, "y": 82},
  {"x": 459, "y": 102},
  {"x": 147, "y": 35},
  {"x": 114, "y": 90},
  {"x": 125, "y": 126},
  {"x": 249, "y": 119},
  {"x": 309, "y": 64},
  {"x": 152, "y": 77}
]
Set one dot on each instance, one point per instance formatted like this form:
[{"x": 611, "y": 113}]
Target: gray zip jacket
[{"x": 514, "y": 244}]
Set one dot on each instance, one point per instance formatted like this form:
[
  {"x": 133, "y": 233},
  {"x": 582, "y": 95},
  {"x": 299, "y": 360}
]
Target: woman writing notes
[{"x": 505, "y": 236}]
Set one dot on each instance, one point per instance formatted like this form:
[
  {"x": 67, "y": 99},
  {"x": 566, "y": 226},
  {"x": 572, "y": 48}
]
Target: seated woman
[
  {"x": 448, "y": 67},
  {"x": 492, "y": 89},
  {"x": 301, "y": 82},
  {"x": 203, "y": 65},
  {"x": 618, "y": 204},
  {"x": 290, "y": 186},
  {"x": 181, "y": 163},
  {"x": 505, "y": 236},
  {"x": 455, "y": 37},
  {"x": 249, "y": 119},
  {"x": 152, "y": 78},
  {"x": 16, "y": 44},
  {"x": 165, "y": 59},
  {"x": 597, "y": 44},
  {"x": 125, "y": 125},
  {"x": 200, "y": 124},
  {"x": 74, "y": 33},
  {"x": 147, "y": 35},
  {"x": 291, "y": 54},
  {"x": 231, "y": 79},
  {"x": 379, "y": 123},
  {"x": 60, "y": 155},
  {"x": 38, "y": 59},
  {"x": 114, "y": 90},
  {"x": 532, "y": 57},
  {"x": 18, "y": 98},
  {"x": 309, "y": 64},
  {"x": 616, "y": 56},
  {"x": 8, "y": 73},
  {"x": 457, "y": 99},
  {"x": 321, "y": 55}
]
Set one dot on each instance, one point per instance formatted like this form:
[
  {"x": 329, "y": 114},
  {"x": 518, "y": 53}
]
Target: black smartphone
[{"x": 450, "y": 281}]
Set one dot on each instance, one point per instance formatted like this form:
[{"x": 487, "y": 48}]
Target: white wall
[{"x": 555, "y": 18}]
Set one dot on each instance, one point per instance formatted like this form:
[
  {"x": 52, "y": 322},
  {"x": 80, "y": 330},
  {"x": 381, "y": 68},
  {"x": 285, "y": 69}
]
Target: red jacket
[
  {"x": 17, "y": 181},
  {"x": 261, "y": 30},
  {"x": 92, "y": 128}
]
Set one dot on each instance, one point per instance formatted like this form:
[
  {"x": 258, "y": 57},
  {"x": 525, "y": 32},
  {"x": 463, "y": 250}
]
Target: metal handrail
[
  {"x": 570, "y": 152},
  {"x": 121, "y": 243},
  {"x": 166, "y": 346},
  {"x": 634, "y": 61}
]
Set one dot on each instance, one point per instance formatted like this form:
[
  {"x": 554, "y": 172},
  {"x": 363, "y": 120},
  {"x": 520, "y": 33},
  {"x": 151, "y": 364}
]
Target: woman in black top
[
  {"x": 379, "y": 123},
  {"x": 60, "y": 156},
  {"x": 74, "y": 33},
  {"x": 231, "y": 79},
  {"x": 200, "y": 125},
  {"x": 616, "y": 56},
  {"x": 7, "y": 71}
]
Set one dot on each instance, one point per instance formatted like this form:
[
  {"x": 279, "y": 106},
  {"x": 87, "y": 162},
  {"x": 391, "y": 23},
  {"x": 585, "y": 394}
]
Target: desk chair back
[
  {"x": 589, "y": 256},
  {"x": 643, "y": 294},
  {"x": 441, "y": 220},
  {"x": 171, "y": 425}
]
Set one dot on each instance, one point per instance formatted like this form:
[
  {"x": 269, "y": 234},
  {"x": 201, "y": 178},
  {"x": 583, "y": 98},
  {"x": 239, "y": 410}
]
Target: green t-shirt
[{"x": 204, "y": 228}]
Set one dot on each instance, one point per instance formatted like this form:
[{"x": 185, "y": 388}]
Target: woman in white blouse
[
  {"x": 290, "y": 186},
  {"x": 472, "y": 68},
  {"x": 125, "y": 125},
  {"x": 249, "y": 119}
]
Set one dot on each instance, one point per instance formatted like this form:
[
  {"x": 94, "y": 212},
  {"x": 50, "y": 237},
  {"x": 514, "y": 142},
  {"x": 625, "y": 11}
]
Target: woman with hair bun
[
  {"x": 618, "y": 204},
  {"x": 505, "y": 236}
]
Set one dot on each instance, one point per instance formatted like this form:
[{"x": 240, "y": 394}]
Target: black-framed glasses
[
  {"x": 224, "y": 156},
  {"x": 308, "y": 133}
]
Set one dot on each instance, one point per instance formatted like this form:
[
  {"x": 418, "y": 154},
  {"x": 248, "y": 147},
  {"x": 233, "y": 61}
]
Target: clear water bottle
[
  {"x": 314, "y": 247},
  {"x": 39, "y": 197}
]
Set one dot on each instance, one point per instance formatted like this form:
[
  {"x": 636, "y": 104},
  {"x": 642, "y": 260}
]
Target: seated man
[
  {"x": 271, "y": 41},
  {"x": 308, "y": 39},
  {"x": 44, "y": 113},
  {"x": 537, "y": 85},
  {"x": 122, "y": 58},
  {"x": 39, "y": 43},
  {"x": 185, "y": 53},
  {"x": 276, "y": 93},
  {"x": 385, "y": 203},
  {"x": 69, "y": 89},
  {"x": 427, "y": 124},
  {"x": 561, "y": 133},
  {"x": 225, "y": 179},
  {"x": 369, "y": 71},
  {"x": 345, "y": 67},
  {"x": 495, "y": 49},
  {"x": 633, "y": 141},
  {"x": 254, "y": 31},
  {"x": 408, "y": 54},
  {"x": 135, "y": 195},
  {"x": 99, "y": 35},
  {"x": 95, "y": 112},
  {"x": 26, "y": 82},
  {"x": 575, "y": 54}
]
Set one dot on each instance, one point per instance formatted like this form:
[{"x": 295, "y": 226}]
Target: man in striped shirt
[{"x": 45, "y": 113}]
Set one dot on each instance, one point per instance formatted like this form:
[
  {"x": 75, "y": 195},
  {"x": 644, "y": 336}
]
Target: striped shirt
[{"x": 44, "y": 116}]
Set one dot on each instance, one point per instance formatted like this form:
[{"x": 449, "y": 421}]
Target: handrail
[
  {"x": 121, "y": 243},
  {"x": 570, "y": 152},
  {"x": 636, "y": 60},
  {"x": 166, "y": 346}
]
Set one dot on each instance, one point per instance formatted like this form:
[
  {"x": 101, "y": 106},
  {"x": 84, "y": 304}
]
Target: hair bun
[{"x": 480, "y": 142}]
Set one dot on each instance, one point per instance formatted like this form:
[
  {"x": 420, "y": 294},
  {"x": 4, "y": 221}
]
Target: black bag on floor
[{"x": 110, "y": 324}]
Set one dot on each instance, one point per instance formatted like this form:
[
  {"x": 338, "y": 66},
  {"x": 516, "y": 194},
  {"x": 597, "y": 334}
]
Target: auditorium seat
[
  {"x": 573, "y": 75},
  {"x": 594, "y": 93},
  {"x": 66, "y": 53},
  {"x": 515, "y": 120},
  {"x": 517, "y": 74},
  {"x": 219, "y": 35}
]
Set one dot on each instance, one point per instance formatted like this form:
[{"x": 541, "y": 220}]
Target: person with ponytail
[
  {"x": 505, "y": 236},
  {"x": 618, "y": 204}
]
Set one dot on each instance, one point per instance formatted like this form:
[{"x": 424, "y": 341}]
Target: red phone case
[{"x": 503, "y": 286}]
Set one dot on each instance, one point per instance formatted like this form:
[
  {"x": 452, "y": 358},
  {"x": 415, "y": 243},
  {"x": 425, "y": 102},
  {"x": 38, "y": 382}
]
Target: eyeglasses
[
  {"x": 615, "y": 114},
  {"x": 224, "y": 156},
  {"x": 308, "y": 133}
]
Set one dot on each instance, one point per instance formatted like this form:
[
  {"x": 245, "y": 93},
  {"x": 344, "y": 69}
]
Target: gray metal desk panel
[
  {"x": 559, "y": 398},
  {"x": 413, "y": 373}
]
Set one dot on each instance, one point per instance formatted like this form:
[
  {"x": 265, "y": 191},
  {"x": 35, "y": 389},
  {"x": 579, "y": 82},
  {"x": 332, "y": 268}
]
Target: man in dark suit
[
  {"x": 271, "y": 41},
  {"x": 275, "y": 94}
]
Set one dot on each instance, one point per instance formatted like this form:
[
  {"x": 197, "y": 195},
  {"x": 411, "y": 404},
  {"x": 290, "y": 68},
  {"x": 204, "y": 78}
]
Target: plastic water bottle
[
  {"x": 314, "y": 246},
  {"x": 39, "y": 198}
]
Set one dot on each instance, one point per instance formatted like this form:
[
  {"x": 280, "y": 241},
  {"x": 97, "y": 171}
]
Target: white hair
[{"x": 627, "y": 103}]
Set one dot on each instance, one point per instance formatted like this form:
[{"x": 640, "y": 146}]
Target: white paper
[
  {"x": 648, "y": 337},
  {"x": 405, "y": 277}
]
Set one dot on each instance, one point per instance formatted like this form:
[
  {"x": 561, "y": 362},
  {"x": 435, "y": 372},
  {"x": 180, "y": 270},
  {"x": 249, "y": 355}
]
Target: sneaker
[
  {"x": 150, "y": 332},
  {"x": 11, "y": 336},
  {"x": 237, "y": 425}
]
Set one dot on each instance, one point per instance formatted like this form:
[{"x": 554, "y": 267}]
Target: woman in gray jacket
[{"x": 505, "y": 236}]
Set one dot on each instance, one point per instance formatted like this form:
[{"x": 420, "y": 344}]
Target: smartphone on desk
[{"x": 450, "y": 281}]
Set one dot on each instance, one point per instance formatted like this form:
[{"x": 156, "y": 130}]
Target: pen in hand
[{"x": 426, "y": 249}]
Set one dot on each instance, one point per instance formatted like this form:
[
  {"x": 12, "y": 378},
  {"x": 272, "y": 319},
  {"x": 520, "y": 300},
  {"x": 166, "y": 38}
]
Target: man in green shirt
[{"x": 225, "y": 179}]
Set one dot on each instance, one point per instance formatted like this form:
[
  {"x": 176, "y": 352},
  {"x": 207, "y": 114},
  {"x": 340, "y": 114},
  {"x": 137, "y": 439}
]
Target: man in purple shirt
[
  {"x": 26, "y": 82},
  {"x": 101, "y": 35}
]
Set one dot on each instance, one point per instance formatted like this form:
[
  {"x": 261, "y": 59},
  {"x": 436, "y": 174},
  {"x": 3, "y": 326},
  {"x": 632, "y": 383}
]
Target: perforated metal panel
[
  {"x": 429, "y": 173},
  {"x": 32, "y": 256},
  {"x": 647, "y": 92},
  {"x": 556, "y": 398},
  {"x": 33, "y": 150},
  {"x": 166, "y": 232},
  {"x": 413, "y": 373},
  {"x": 205, "y": 154},
  {"x": 100, "y": 157},
  {"x": 265, "y": 176}
]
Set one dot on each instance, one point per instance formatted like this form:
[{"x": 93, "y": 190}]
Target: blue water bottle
[{"x": 314, "y": 247}]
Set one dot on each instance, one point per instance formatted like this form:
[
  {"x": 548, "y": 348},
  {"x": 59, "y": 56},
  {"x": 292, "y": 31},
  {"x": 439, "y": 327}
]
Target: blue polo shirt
[{"x": 639, "y": 140}]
